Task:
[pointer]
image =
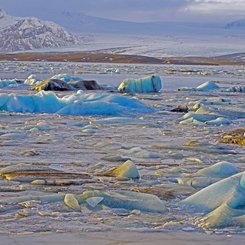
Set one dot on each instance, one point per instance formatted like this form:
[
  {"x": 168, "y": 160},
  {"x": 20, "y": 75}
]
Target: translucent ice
[
  {"x": 144, "y": 85},
  {"x": 126, "y": 199},
  {"x": 74, "y": 104}
]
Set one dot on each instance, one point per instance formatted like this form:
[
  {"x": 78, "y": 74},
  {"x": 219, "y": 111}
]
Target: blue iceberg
[
  {"x": 149, "y": 84},
  {"x": 74, "y": 104}
]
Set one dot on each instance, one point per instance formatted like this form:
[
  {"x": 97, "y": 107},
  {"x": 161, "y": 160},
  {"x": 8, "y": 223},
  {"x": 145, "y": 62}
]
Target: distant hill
[
  {"x": 17, "y": 34},
  {"x": 82, "y": 23}
]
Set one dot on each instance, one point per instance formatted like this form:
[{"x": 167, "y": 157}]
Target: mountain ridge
[{"x": 19, "y": 33}]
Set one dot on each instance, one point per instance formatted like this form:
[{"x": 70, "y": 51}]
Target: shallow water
[{"x": 155, "y": 142}]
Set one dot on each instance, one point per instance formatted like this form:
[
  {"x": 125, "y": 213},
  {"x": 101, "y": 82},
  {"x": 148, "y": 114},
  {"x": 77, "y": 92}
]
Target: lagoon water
[{"x": 166, "y": 153}]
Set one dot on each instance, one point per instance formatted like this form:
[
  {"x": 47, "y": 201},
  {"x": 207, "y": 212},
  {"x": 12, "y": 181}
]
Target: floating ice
[
  {"x": 66, "y": 78},
  {"x": 209, "y": 175},
  {"x": 71, "y": 201},
  {"x": 239, "y": 89},
  {"x": 207, "y": 86},
  {"x": 31, "y": 80},
  {"x": 223, "y": 202},
  {"x": 205, "y": 115},
  {"x": 94, "y": 201},
  {"x": 74, "y": 104},
  {"x": 220, "y": 170},
  {"x": 126, "y": 170},
  {"x": 7, "y": 83},
  {"x": 144, "y": 85},
  {"x": 126, "y": 199}
]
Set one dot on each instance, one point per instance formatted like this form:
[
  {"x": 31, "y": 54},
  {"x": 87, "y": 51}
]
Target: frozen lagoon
[{"x": 162, "y": 149}]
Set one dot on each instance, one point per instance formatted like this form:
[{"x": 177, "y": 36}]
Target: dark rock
[
  {"x": 85, "y": 85},
  {"x": 180, "y": 108},
  {"x": 53, "y": 85}
]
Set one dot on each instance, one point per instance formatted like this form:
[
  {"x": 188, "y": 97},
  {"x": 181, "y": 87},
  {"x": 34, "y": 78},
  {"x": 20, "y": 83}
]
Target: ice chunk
[
  {"x": 207, "y": 86},
  {"x": 219, "y": 121},
  {"x": 219, "y": 193},
  {"x": 7, "y": 83},
  {"x": 126, "y": 199},
  {"x": 220, "y": 170},
  {"x": 71, "y": 201},
  {"x": 66, "y": 78},
  {"x": 126, "y": 170},
  {"x": 31, "y": 80},
  {"x": 207, "y": 115},
  {"x": 144, "y": 85},
  {"x": 94, "y": 201}
]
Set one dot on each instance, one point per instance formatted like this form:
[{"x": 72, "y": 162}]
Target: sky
[{"x": 135, "y": 10}]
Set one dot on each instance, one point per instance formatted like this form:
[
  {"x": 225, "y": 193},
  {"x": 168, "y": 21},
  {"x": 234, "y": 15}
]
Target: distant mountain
[
  {"x": 239, "y": 24},
  {"x": 17, "y": 34},
  {"x": 82, "y": 23}
]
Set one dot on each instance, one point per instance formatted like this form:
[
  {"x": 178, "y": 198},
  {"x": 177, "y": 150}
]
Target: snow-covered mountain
[{"x": 18, "y": 33}]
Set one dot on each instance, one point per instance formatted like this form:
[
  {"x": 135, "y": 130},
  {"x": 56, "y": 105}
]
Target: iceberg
[
  {"x": 223, "y": 202},
  {"x": 149, "y": 84},
  {"x": 207, "y": 86},
  {"x": 75, "y": 104}
]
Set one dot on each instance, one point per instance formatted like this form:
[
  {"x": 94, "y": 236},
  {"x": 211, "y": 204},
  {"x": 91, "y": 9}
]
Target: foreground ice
[
  {"x": 74, "y": 104},
  {"x": 222, "y": 202},
  {"x": 144, "y": 85}
]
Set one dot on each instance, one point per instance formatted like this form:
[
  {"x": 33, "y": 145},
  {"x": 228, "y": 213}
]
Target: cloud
[
  {"x": 134, "y": 10},
  {"x": 224, "y": 7}
]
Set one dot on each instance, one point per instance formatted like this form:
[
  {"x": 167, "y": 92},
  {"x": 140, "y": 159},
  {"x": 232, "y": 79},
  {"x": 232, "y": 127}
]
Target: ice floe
[
  {"x": 75, "y": 104},
  {"x": 144, "y": 85}
]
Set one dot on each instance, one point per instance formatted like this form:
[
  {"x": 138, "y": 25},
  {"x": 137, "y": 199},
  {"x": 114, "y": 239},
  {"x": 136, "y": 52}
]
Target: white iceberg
[
  {"x": 75, "y": 104},
  {"x": 66, "y": 78},
  {"x": 207, "y": 86},
  {"x": 31, "y": 80},
  {"x": 149, "y": 84}
]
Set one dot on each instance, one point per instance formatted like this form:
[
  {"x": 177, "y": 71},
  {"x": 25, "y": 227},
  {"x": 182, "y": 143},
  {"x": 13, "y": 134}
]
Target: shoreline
[{"x": 86, "y": 57}]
